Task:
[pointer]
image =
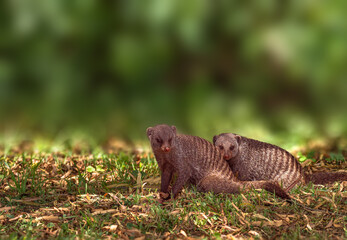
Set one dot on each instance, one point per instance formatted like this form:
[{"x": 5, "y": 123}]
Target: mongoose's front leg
[
  {"x": 182, "y": 179},
  {"x": 166, "y": 177}
]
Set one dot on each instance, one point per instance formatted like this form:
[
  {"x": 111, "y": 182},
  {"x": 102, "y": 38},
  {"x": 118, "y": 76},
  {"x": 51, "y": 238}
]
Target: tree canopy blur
[{"x": 117, "y": 67}]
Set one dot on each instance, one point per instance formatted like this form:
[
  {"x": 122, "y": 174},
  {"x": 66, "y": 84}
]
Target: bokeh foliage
[{"x": 117, "y": 67}]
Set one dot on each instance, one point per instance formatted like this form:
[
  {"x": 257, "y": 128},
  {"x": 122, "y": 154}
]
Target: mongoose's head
[
  {"x": 161, "y": 137},
  {"x": 228, "y": 144}
]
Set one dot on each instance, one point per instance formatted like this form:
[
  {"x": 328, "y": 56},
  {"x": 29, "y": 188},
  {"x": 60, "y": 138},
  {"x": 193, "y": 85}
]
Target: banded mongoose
[
  {"x": 252, "y": 160},
  {"x": 197, "y": 161}
]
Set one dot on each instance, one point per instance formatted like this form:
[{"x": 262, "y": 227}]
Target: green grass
[{"x": 94, "y": 194}]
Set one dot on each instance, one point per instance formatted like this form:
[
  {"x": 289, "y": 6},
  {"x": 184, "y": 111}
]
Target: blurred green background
[{"x": 113, "y": 68}]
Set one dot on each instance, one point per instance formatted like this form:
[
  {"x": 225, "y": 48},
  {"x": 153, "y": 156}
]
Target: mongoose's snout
[
  {"x": 226, "y": 157},
  {"x": 165, "y": 149}
]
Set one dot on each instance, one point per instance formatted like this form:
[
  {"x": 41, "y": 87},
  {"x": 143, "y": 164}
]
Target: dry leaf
[
  {"x": 208, "y": 220},
  {"x": 133, "y": 232},
  {"x": 257, "y": 223},
  {"x": 166, "y": 234},
  {"x": 87, "y": 197},
  {"x": 111, "y": 228},
  {"x": 319, "y": 205},
  {"x": 343, "y": 194},
  {"x": 50, "y": 218},
  {"x": 140, "y": 238},
  {"x": 257, "y": 215},
  {"x": 101, "y": 211},
  {"x": 66, "y": 174},
  {"x": 329, "y": 224},
  {"x": 308, "y": 223},
  {"x": 227, "y": 227},
  {"x": 254, "y": 233},
  {"x": 31, "y": 199},
  {"x": 244, "y": 198},
  {"x": 230, "y": 236},
  {"x": 183, "y": 233},
  {"x": 276, "y": 223},
  {"x": 309, "y": 227},
  {"x": 337, "y": 225},
  {"x": 152, "y": 180},
  {"x": 138, "y": 180},
  {"x": 243, "y": 215},
  {"x": 175, "y": 212},
  {"x": 118, "y": 185},
  {"x": 5, "y": 209},
  {"x": 26, "y": 202},
  {"x": 15, "y": 218}
]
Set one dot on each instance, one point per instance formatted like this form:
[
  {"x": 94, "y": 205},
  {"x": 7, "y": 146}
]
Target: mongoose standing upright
[
  {"x": 197, "y": 161},
  {"x": 252, "y": 160}
]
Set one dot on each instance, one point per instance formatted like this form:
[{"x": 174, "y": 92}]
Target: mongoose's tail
[{"x": 326, "y": 177}]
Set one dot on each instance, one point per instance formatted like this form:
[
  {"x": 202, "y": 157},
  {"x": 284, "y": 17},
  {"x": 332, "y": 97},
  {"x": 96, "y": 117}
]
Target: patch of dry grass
[{"x": 86, "y": 194}]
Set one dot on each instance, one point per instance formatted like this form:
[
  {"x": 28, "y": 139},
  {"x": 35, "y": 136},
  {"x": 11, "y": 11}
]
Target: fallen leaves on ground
[{"x": 115, "y": 196}]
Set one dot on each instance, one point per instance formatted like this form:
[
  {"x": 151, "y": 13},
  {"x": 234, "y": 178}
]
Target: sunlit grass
[{"x": 97, "y": 193}]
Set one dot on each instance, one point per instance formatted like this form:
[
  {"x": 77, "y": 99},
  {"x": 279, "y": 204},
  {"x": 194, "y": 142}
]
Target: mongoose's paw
[
  {"x": 164, "y": 196},
  {"x": 275, "y": 187},
  {"x": 161, "y": 201}
]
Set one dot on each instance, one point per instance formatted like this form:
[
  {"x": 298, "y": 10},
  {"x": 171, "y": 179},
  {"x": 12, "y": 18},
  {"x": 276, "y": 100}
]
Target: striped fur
[
  {"x": 252, "y": 160},
  {"x": 197, "y": 161}
]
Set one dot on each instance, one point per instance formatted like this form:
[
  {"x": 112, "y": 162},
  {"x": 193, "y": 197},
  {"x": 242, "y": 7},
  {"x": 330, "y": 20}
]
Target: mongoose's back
[
  {"x": 263, "y": 161},
  {"x": 201, "y": 156}
]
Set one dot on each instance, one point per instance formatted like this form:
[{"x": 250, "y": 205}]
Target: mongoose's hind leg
[
  {"x": 219, "y": 184},
  {"x": 270, "y": 186},
  {"x": 182, "y": 179}
]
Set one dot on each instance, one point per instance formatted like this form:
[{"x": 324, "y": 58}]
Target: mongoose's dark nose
[
  {"x": 226, "y": 157},
  {"x": 166, "y": 149}
]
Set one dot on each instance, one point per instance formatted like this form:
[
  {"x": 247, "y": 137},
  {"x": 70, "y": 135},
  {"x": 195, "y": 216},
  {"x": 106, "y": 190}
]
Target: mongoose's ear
[
  {"x": 173, "y": 129},
  {"x": 149, "y": 132},
  {"x": 238, "y": 139},
  {"x": 214, "y": 139}
]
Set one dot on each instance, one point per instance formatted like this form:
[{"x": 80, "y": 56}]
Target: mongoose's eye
[
  {"x": 221, "y": 147},
  {"x": 170, "y": 139},
  {"x": 158, "y": 140},
  {"x": 232, "y": 148}
]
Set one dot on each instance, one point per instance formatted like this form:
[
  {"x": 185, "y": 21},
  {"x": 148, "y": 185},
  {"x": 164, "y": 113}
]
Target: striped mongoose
[
  {"x": 197, "y": 161},
  {"x": 252, "y": 160}
]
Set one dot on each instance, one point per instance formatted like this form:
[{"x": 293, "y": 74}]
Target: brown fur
[
  {"x": 252, "y": 160},
  {"x": 197, "y": 161}
]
